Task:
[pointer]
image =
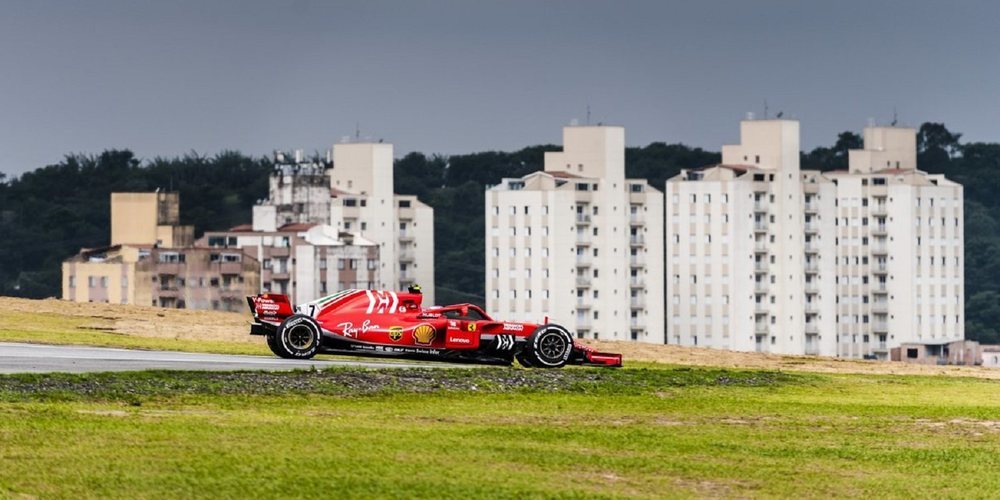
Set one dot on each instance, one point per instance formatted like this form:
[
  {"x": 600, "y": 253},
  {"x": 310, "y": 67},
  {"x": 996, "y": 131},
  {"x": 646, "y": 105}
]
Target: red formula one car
[{"x": 386, "y": 323}]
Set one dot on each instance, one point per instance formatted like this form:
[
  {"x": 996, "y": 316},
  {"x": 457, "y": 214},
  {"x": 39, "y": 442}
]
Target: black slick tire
[
  {"x": 297, "y": 337},
  {"x": 549, "y": 346}
]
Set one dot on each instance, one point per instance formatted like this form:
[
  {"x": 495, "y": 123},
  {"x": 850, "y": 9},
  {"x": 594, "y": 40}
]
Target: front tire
[
  {"x": 549, "y": 346},
  {"x": 298, "y": 337}
]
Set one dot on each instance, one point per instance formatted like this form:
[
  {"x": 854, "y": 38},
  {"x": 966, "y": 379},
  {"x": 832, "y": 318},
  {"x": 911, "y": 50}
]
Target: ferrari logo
[
  {"x": 423, "y": 334},
  {"x": 395, "y": 333},
  {"x": 471, "y": 327}
]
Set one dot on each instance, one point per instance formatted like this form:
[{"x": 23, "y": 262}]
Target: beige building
[
  {"x": 151, "y": 262},
  {"x": 354, "y": 193},
  {"x": 578, "y": 242},
  {"x": 764, "y": 256},
  {"x": 148, "y": 219},
  {"x": 303, "y": 260}
]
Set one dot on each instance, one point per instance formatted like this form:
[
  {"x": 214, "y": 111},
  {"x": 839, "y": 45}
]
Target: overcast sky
[{"x": 165, "y": 78}]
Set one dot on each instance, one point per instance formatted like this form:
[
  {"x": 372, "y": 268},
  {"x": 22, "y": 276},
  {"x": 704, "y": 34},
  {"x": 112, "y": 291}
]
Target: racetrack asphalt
[{"x": 38, "y": 358}]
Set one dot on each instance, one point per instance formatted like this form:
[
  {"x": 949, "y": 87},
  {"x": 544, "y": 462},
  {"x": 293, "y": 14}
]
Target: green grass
[{"x": 498, "y": 432}]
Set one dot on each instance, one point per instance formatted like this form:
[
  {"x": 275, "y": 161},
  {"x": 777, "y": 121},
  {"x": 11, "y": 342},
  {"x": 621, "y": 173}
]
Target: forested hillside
[{"x": 50, "y": 213}]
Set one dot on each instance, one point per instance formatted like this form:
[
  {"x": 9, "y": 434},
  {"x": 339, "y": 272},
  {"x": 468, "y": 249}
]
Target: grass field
[
  {"x": 668, "y": 432},
  {"x": 722, "y": 425}
]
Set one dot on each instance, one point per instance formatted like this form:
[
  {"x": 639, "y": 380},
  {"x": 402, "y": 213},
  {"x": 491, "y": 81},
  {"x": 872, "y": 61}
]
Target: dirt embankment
[
  {"x": 136, "y": 320},
  {"x": 232, "y": 327}
]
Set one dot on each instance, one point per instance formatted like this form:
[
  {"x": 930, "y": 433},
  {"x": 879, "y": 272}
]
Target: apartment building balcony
[
  {"x": 760, "y": 226},
  {"x": 583, "y": 260},
  {"x": 880, "y": 268},
  {"x": 880, "y": 307},
  {"x": 760, "y": 328},
  {"x": 812, "y": 307},
  {"x": 407, "y": 256},
  {"x": 760, "y": 246},
  {"x": 812, "y": 247},
  {"x": 636, "y": 261},
  {"x": 636, "y": 322},
  {"x": 405, "y": 236},
  {"x": 760, "y": 307},
  {"x": 583, "y": 239},
  {"x": 880, "y": 288},
  {"x": 760, "y": 266},
  {"x": 880, "y": 326},
  {"x": 636, "y": 219},
  {"x": 880, "y": 347},
  {"x": 880, "y": 229},
  {"x": 583, "y": 323},
  {"x": 812, "y": 227},
  {"x": 636, "y": 282},
  {"x": 811, "y": 328},
  {"x": 811, "y": 287},
  {"x": 760, "y": 286},
  {"x": 812, "y": 267},
  {"x": 760, "y": 206},
  {"x": 230, "y": 267},
  {"x": 583, "y": 281},
  {"x": 637, "y": 240},
  {"x": 637, "y": 302},
  {"x": 811, "y": 207},
  {"x": 582, "y": 303},
  {"x": 878, "y": 209},
  {"x": 279, "y": 251},
  {"x": 880, "y": 249},
  {"x": 582, "y": 219}
]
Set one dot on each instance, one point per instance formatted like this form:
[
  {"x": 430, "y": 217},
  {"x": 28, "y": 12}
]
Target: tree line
[{"x": 48, "y": 214}]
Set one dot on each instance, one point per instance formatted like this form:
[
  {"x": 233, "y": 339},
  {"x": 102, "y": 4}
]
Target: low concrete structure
[{"x": 955, "y": 352}]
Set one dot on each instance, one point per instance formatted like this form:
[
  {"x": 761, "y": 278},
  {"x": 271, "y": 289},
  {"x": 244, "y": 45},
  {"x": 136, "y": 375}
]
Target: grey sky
[{"x": 164, "y": 78}]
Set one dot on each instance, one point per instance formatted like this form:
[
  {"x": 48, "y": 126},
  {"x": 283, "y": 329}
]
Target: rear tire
[
  {"x": 549, "y": 346},
  {"x": 298, "y": 337}
]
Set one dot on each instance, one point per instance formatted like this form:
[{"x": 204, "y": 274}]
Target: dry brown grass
[
  {"x": 140, "y": 321},
  {"x": 700, "y": 356}
]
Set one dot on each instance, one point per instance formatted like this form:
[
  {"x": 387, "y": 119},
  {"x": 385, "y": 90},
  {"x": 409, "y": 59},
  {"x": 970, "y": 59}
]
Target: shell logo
[{"x": 423, "y": 334}]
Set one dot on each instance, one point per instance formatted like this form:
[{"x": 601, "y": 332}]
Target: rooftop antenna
[
  {"x": 895, "y": 117},
  {"x": 357, "y": 130},
  {"x": 765, "y": 109},
  {"x": 588, "y": 114}
]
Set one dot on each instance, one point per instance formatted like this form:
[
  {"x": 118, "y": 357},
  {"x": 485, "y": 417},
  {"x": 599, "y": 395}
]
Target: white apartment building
[
  {"x": 764, "y": 256},
  {"x": 354, "y": 193},
  {"x": 578, "y": 242}
]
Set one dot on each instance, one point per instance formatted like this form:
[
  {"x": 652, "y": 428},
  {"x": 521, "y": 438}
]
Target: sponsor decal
[
  {"x": 513, "y": 327},
  {"x": 381, "y": 302},
  {"x": 452, "y": 323},
  {"x": 423, "y": 334},
  {"x": 459, "y": 340},
  {"x": 349, "y": 330},
  {"x": 392, "y": 349},
  {"x": 395, "y": 333},
  {"x": 505, "y": 342},
  {"x": 471, "y": 327}
]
